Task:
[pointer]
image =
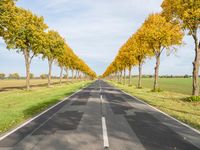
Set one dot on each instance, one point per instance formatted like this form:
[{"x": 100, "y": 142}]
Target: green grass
[
  {"x": 179, "y": 85},
  {"x": 18, "y": 105},
  {"x": 12, "y": 84},
  {"x": 172, "y": 103}
]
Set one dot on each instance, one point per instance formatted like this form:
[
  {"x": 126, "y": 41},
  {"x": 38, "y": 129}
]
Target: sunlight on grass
[
  {"x": 19, "y": 105},
  {"x": 170, "y": 102}
]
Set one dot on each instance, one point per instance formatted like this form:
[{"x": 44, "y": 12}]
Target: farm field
[
  {"x": 179, "y": 85},
  {"x": 9, "y": 84},
  {"x": 171, "y": 100},
  {"x": 17, "y": 106}
]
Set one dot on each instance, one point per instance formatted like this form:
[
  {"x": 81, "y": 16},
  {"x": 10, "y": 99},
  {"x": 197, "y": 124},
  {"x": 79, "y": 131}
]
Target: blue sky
[{"x": 95, "y": 30}]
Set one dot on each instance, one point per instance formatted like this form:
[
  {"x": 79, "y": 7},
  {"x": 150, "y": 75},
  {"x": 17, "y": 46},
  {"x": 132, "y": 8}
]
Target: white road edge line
[
  {"x": 195, "y": 130},
  {"x": 105, "y": 134},
  {"x": 25, "y": 123}
]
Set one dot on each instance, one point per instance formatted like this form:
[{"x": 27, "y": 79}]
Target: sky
[{"x": 95, "y": 30}]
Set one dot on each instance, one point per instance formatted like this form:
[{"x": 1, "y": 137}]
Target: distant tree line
[
  {"x": 17, "y": 76},
  {"x": 164, "y": 76}
]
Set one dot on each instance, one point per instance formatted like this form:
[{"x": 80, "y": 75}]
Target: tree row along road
[
  {"x": 27, "y": 33},
  {"x": 160, "y": 32},
  {"x": 98, "y": 116}
]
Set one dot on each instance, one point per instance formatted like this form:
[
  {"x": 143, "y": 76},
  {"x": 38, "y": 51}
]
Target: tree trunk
[
  {"x": 83, "y": 76},
  {"x": 80, "y": 75},
  {"x": 118, "y": 76},
  {"x": 124, "y": 76},
  {"x": 195, "y": 83},
  {"x": 27, "y": 63},
  {"x": 140, "y": 75},
  {"x": 66, "y": 70},
  {"x": 156, "y": 75},
  {"x": 72, "y": 73},
  {"x": 121, "y": 76},
  {"x": 129, "y": 82},
  {"x": 76, "y": 73},
  {"x": 61, "y": 74},
  {"x": 49, "y": 75}
]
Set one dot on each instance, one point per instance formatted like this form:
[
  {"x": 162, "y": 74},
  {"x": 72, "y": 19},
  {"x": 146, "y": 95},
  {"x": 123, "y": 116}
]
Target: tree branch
[
  {"x": 162, "y": 49},
  {"x": 31, "y": 58}
]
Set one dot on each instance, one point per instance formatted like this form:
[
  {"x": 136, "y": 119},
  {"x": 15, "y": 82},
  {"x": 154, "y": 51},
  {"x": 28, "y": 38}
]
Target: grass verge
[
  {"x": 19, "y": 105},
  {"x": 169, "y": 102}
]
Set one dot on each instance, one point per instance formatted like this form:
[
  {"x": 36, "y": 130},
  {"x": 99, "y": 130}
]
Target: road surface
[{"x": 102, "y": 117}]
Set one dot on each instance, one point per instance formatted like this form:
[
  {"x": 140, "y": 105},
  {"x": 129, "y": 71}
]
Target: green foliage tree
[
  {"x": 2, "y": 75},
  {"x": 14, "y": 76},
  {"x": 31, "y": 75},
  {"x": 44, "y": 76}
]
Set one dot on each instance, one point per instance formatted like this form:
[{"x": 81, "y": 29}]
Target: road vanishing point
[{"x": 101, "y": 117}]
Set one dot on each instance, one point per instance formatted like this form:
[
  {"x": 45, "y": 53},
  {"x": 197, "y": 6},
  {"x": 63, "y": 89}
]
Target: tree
[
  {"x": 160, "y": 35},
  {"x": 31, "y": 75},
  {"x": 187, "y": 12},
  {"x": 7, "y": 8},
  {"x": 2, "y": 75},
  {"x": 14, "y": 76},
  {"x": 63, "y": 61},
  {"x": 43, "y": 76},
  {"x": 53, "y": 48},
  {"x": 23, "y": 32},
  {"x": 128, "y": 57},
  {"x": 141, "y": 51}
]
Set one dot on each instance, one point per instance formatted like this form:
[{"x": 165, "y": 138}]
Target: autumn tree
[
  {"x": 126, "y": 60},
  {"x": 141, "y": 51},
  {"x": 69, "y": 59},
  {"x": 187, "y": 12},
  {"x": 22, "y": 30},
  {"x": 160, "y": 35},
  {"x": 62, "y": 61},
  {"x": 7, "y": 9},
  {"x": 122, "y": 59},
  {"x": 53, "y": 49},
  {"x": 61, "y": 69}
]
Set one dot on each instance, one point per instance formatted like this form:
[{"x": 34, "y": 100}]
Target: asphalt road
[{"x": 98, "y": 116}]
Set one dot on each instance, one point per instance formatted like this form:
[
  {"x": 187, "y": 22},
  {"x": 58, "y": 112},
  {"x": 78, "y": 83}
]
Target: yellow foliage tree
[
  {"x": 22, "y": 30},
  {"x": 160, "y": 35},
  {"x": 53, "y": 49},
  {"x": 187, "y": 12}
]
